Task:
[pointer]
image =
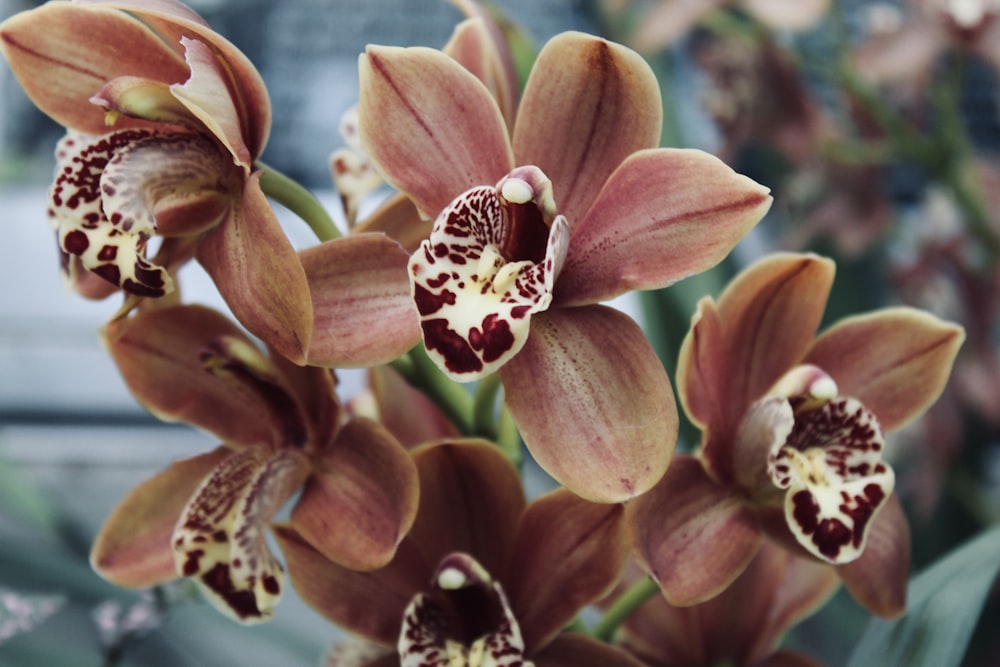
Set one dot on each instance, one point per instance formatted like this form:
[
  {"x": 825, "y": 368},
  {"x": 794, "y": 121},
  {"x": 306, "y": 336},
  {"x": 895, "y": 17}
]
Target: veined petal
[
  {"x": 767, "y": 315},
  {"x": 471, "y": 501},
  {"x": 158, "y": 352},
  {"x": 588, "y": 104},
  {"x": 259, "y": 273},
  {"x": 572, "y": 649},
  {"x": 593, "y": 402},
  {"x": 362, "y": 499},
  {"x": 407, "y": 412},
  {"x": 62, "y": 53},
  {"x": 398, "y": 219},
  {"x": 475, "y": 305},
  {"x": 430, "y": 125},
  {"x": 362, "y": 311},
  {"x": 86, "y": 235},
  {"x": 836, "y": 481},
  {"x": 481, "y": 47},
  {"x": 569, "y": 552},
  {"x": 207, "y": 95},
  {"x": 220, "y": 540},
  {"x": 133, "y": 548},
  {"x": 878, "y": 579},
  {"x": 896, "y": 361},
  {"x": 663, "y": 215},
  {"x": 692, "y": 535}
]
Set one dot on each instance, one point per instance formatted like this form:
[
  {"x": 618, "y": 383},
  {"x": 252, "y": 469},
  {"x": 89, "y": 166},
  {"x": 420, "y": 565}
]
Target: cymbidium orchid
[
  {"x": 740, "y": 627},
  {"x": 165, "y": 120},
  {"x": 792, "y": 436},
  {"x": 483, "y": 578},
  {"x": 282, "y": 430},
  {"x": 536, "y": 225}
]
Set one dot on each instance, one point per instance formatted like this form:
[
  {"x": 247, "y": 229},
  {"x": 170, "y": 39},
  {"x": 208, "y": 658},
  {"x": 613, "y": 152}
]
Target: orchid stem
[
  {"x": 623, "y": 607},
  {"x": 449, "y": 396},
  {"x": 298, "y": 200},
  {"x": 487, "y": 423}
]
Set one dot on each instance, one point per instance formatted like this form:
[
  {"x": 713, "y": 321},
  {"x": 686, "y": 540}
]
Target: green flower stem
[
  {"x": 623, "y": 607},
  {"x": 509, "y": 438},
  {"x": 299, "y": 201},
  {"x": 484, "y": 421},
  {"x": 420, "y": 371}
]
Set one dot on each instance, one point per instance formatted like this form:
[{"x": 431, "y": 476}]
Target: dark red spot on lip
[
  {"x": 494, "y": 339},
  {"x": 459, "y": 357},
  {"x": 428, "y": 302},
  {"x": 76, "y": 242}
]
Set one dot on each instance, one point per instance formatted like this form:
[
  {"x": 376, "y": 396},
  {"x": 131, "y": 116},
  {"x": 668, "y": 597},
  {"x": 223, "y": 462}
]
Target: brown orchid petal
[
  {"x": 63, "y": 53},
  {"x": 572, "y": 649},
  {"x": 668, "y": 21},
  {"x": 588, "y": 104},
  {"x": 406, "y": 412},
  {"x": 701, "y": 373},
  {"x": 141, "y": 98},
  {"x": 663, "y": 215},
  {"x": 430, "y": 125},
  {"x": 361, "y": 500},
  {"x": 259, "y": 274},
  {"x": 785, "y": 658},
  {"x": 480, "y": 46},
  {"x": 133, "y": 547},
  {"x": 398, "y": 219},
  {"x": 568, "y": 553},
  {"x": 363, "y": 314},
  {"x": 691, "y": 535},
  {"x": 370, "y": 604},
  {"x": 768, "y": 315},
  {"x": 896, "y": 361},
  {"x": 593, "y": 402},
  {"x": 878, "y": 579},
  {"x": 315, "y": 392},
  {"x": 470, "y": 501},
  {"x": 220, "y": 538},
  {"x": 172, "y": 21},
  {"x": 158, "y": 353},
  {"x": 796, "y": 15},
  {"x": 206, "y": 95}
]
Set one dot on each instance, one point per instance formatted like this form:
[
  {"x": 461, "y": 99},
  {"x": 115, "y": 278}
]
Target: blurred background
[{"x": 889, "y": 168}]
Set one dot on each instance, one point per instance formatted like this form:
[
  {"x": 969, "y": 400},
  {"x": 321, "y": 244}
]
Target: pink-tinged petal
[
  {"x": 206, "y": 95},
  {"x": 768, "y": 315},
  {"x": 172, "y": 21},
  {"x": 481, "y": 47},
  {"x": 87, "y": 237},
  {"x": 362, "y": 311},
  {"x": 133, "y": 547},
  {"x": 795, "y": 15},
  {"x": 141, "y": 98},
  {"x": 407, "y": 412},
  {"x": 370, "y": 604},
  {"x": 398, "y": 219},
  {"x": 878, "y": 579},
  {"x": 836, "y": 481},
  {"x": 785, "y": 658},
  {"x": 62, "y": 54},
  {"x": 588, "y": 104},
  {"x": 159, "y": 354},
  {"x": 701, "y": 371},
  {"x": 362, "y": 498},
  {"x": 572, "y": 649},
  {"x": 691, "y": 535},
  {"x": 896, "y": 361},
  {"x": 593, "y": 402},
  {"x": 470, "y": 501},
  {"x": 220, "y": 538},
  {"x": 259, "y": 274},
  {"x": 475, "y": 303},
  {"x": 663, "y": 215},
  {"x": 569, "y": 552},
  {"x": 670, "y": 20},
  {"x": 433, "y": 129}
]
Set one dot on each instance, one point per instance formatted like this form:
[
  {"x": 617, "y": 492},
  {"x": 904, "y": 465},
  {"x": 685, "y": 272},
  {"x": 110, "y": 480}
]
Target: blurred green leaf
[{"x": 944, "y": 603}]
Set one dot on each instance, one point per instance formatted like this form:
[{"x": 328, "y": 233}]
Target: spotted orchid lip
[{"x": 475, "y": 303}]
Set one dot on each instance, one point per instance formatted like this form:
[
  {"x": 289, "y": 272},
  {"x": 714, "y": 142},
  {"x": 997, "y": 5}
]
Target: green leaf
[{"x": 944, "y": 603}]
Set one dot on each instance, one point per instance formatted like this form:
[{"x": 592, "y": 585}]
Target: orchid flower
[
  {"x": 282, "y": 430},
  {"x": 508, "y": 281},
  {"x": 165, "y": 120},
  {"x": 480, "y": 572},
  {"x": 740, "y": 627},
  {"x": 792, "y": 436}
]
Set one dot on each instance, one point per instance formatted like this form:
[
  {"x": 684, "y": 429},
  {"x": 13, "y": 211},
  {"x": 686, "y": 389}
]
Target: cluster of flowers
[{"x": 516, "y": 216}]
